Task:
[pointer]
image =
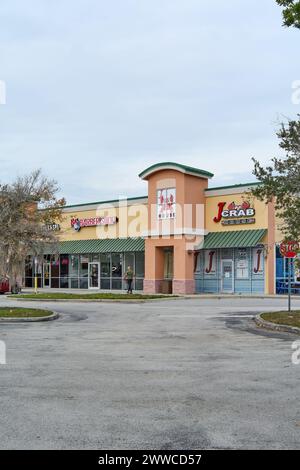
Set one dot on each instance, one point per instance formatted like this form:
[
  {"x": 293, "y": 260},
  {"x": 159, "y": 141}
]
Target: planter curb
[
  {"x": 275, "y": 326},
  {"x": 51, "y": 317}
]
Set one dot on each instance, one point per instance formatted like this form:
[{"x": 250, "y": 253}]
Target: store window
[
  {"x": 117, "y": 270},
  {"x": 64, "y": 271},
  {"x": 54, "y": 273},
  {"x": 94, "y": 258},
  {"x": 73, "y": 271},
  {"x": 210, "y": 263},
  {"x": 139, "y": 270},
  {"x": 140, "y": 265},
  {"x": 258, "y": 261},
  {"x": 29, "y": 271},
  {"x": 166, "y": 203},
  {"x": 83, "y": 272},
  {"x": 297, "y": 269},
  {"x": 73, "y": 266},
  {"x": 129, "y": 261},
  {"x": 105, "y": 270},
  {"x": 242, "y": 264}
]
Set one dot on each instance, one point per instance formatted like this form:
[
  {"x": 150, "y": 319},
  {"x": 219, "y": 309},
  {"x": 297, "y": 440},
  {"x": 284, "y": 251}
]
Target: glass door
[
  {"x": 94, "y": 271},
  {"x": 227, "y": 276},
  {"x": 47, "y": 274}
]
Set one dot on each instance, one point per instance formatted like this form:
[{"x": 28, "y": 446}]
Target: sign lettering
[
  {"x": 77, "y": 223},
  {"x": 235, "y": 214}
]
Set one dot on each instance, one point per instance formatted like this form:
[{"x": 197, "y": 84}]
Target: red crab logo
[{"x": 234, "y": 210}]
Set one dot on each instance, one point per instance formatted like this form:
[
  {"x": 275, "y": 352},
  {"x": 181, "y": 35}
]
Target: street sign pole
[{"x": 289, "y": 251}]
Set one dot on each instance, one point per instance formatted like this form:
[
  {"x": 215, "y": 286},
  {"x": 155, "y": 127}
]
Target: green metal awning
[
  {"x": 234, "y": 239},
  {"x": 113, "y": 245}
]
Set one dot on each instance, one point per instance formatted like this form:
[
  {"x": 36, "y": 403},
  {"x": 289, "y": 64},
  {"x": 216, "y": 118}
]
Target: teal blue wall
[{"x": 254, "y": 284}]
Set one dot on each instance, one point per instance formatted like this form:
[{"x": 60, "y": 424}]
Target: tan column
[
  {"x": 154, "y": 267},
  {"x": 183, "y": 282}
]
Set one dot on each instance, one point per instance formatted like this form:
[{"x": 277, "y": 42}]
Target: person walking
[{"x": 129, "y": 275}]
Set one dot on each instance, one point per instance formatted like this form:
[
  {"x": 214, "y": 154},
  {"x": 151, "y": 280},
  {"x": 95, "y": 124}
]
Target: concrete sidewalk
[{"x": 190, "y": 296}]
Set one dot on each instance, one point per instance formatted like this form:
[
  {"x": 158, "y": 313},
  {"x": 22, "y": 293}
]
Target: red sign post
[{"x": 289, "y": 250}]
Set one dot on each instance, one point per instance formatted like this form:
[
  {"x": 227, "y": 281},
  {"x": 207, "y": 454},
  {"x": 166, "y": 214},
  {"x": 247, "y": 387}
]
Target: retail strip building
[{"x": 183, "y": 237}]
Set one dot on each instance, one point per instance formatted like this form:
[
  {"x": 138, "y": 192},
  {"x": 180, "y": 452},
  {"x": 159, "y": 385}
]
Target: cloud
[{"x": 96, "y": 91}]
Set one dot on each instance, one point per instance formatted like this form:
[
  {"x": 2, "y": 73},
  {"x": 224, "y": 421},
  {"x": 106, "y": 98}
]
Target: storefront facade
[
  {"x": 182, "y": 237},
  {"x": 237, "y": 253},
  {"x": 97, "y": 241}
]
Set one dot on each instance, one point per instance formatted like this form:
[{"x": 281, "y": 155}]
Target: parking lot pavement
[{"x": 180, "y": 374}]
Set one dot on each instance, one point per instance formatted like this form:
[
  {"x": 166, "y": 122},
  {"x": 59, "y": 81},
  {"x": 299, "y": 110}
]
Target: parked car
[{"x": 4, "y": 286}]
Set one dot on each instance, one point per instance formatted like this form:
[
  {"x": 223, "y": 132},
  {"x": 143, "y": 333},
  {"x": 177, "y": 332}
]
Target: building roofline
[
  {"x": 104, "y": 202},
  {"x": 175, "y": 166},
  {"x": 136, "y": 198},
  {"x": 233, "y": 186}
]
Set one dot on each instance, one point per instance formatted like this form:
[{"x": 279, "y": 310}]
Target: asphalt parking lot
[{"x": 178, "y": 374}]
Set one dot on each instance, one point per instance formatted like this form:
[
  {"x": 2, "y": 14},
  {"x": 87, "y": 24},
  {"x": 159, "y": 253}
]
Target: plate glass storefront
[
  {"x": 238, "y": 270},
  {"x": 95, "y": 271}
]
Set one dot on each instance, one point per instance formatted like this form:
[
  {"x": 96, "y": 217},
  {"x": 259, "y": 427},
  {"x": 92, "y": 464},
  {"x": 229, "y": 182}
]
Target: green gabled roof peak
[{"x": 175, "y": 166}]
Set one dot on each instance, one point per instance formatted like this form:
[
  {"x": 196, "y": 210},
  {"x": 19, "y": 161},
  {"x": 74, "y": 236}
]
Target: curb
[
  {"x": 54, "y": 316},
  {"x": 275, "y": 326},
  {"x": 128, "y": 301},
  {"x": 237, "y": 296},
  {"x": 183, "y": 296}
]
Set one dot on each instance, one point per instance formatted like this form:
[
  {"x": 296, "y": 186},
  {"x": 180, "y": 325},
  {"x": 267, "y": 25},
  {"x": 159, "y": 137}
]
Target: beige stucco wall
[
  {"x": 132, "y": 222},
  {"x": 211, "y": 211},
  {"x": 189, "y": 201}
]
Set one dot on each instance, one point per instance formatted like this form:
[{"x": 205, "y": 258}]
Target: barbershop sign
[
  {"x": 235, "y": 214},
  {"x": 77, "y": 224}
]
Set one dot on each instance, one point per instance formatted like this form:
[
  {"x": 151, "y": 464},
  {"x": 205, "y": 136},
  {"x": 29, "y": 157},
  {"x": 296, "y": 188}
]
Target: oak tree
[
  {"x": 291, "y": 12},
  {"x": 28, "y": 207},
  {"x": 280, "y": 180}
]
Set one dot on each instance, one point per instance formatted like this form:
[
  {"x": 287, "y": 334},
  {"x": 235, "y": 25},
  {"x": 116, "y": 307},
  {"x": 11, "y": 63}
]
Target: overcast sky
[{"x": 98, "y": 90}]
